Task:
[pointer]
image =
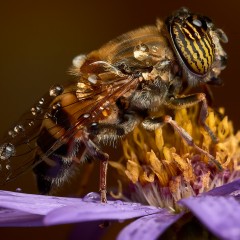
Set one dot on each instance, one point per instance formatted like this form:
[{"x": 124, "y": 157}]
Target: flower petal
[
  {"x": 221, "y": 215},
  {"x": 92, "y": 211},
  {"x": 32, "y": 203},
  {"x": 61, "y": 210},
  {"x": 12, "y": 217},
  {"x": 149, "y": 227},
  {"x": 226, "y": 189}
]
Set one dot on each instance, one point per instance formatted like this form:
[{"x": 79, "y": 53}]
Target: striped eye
[{"x": 193, "y": 43}]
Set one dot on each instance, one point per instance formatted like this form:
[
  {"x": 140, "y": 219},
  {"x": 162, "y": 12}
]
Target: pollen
[{"x": 161, "y": 168}]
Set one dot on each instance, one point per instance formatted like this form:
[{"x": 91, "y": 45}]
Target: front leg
[
  {"x": 189, "y": 101},
  {"x": 154, "y": 123}
]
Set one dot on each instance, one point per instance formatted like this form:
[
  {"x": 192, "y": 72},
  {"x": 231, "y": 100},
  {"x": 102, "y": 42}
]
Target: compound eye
[{"x": 193, "y": 43}]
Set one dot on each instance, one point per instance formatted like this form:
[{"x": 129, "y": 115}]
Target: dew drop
[
  {"x": 118, "y": 202},
  {"x": 197, "y": 23},
  {"x": 86, "y": 115},
  {"x": 18, "y": 128},
  {"x": 8, "y": 167},
  {"x": 31, "y": 123},
  {"x": 56, "y": 90},
  {"x": 48, "y": 115},
  {"x": 7, "y": 150},
  {"x": 141, "y": 52},
  {"x": 56, "y": 106},
  {"x": 92, "y": 79},
  {"x": 41, "y": 101},
  {"x": 36, "y": 110},
  {"x": 79, "y": 60},
  {"x": 12, "y": 134},
  {"x": 92, "y": 196},
  {"x": 154, "y": 49},
  {"x": 18, "y": 190}
]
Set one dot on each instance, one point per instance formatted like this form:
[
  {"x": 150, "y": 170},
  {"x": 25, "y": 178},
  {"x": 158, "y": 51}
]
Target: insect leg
[
  {"x": 98, "y": 154},
  {"x": 109, "y": 132},
  {"x": 191, "y": 100},
  {"x": 105, "y": 132},
  {"x": 154, "y": 123}
]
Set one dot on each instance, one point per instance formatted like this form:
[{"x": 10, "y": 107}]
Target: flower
[
  {"x": 161, "y": 168},
  {"x": 218, "y": 210},
  {"x": 167, "y": 183}
]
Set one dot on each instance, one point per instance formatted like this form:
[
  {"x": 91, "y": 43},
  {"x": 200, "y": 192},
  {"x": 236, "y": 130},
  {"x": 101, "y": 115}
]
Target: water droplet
[
  {"x": 197, "y": 22},
  {"x": 8, "y": 167},
  {"x": 86, "y": 115},
  {"x": 154, "y": 49},
  {"x": 41, "y": 101},
  {"x": 92, "y": 79},
  {"x": 36, "y": 110},
  {"x": 79, "y": 60},
  {"x": 47, "y": 115},
  {"x": 7, "y": 150},
  {"x": 19, "y": 128},
  {"x": 141, "y": 52},
  {"x": 56, "y": 90},
  {"x": 31, "y": 123},
  {"x": 12, "y": 134},
  {"x": 92, "y": 196},
  {"x": 18, "y": 190},
  {"x": 118, "y": 202},
  {"x": 56, "y": 106}
]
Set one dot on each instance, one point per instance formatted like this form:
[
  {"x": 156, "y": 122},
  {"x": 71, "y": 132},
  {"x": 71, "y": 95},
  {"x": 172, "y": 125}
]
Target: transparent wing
[{"x": 58, "y": 118}]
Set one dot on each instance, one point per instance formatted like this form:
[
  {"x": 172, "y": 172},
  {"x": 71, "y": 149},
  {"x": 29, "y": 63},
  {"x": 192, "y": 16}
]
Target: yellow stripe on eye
[
  {"x": 193, "y": 46},
  {"x": 192, "y": 59},
  {"x": 209, "y": 57}
]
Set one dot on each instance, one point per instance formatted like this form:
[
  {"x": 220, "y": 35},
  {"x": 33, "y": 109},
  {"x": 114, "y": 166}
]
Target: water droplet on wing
[
  {"x": 56, "y": 90},
  {"x": 7, "y": 150},
  {"x": 36, "y": 110},
  {"x": 18, "y": 128}
]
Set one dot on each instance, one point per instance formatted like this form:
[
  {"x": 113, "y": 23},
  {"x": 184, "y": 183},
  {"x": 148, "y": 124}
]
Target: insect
[{"x": 117, "y": 87}]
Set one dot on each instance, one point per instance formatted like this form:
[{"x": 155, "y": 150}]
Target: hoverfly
[{"x": 118, "y": 87}]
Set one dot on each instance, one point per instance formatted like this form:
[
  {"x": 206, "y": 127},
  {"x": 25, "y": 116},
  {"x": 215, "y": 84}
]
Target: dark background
[{"x": 40, "y": 38}]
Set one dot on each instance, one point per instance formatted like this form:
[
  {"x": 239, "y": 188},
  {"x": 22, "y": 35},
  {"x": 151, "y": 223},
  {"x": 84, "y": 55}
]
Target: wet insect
[{"x": 118, "y": 87}]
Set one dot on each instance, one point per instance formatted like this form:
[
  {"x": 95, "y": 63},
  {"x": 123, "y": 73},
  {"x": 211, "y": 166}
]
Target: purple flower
[
  {"x": 167, "y": 184},
  {"x": 218, "y": 210}
]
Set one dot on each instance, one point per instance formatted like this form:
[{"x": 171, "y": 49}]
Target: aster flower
[{"x": 165, "y": 183}]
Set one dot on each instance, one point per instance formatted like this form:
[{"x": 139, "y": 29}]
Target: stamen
[{"x": 162, "y": 169}]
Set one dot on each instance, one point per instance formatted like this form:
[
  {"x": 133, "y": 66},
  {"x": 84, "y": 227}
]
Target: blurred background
[{"x": 40, "y": 38}]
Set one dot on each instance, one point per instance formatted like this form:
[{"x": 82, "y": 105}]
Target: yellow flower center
[{"x": 163, "y": 168}]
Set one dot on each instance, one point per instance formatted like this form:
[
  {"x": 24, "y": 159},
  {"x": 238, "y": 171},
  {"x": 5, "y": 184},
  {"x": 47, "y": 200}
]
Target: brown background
[{"x": 40, "y": 38}]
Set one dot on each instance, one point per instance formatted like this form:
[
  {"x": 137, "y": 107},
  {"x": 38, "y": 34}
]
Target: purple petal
[
  {"x": 12, "y": 217},
  {"x": 149, "y": 227},
  {"x": 59, "y": 210},
  {"x": 221, "y": 215},
  {"x": 92, "y": 211},
  {"x": 227, "y": 189},
  {"x": 32, "y": 203}
]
